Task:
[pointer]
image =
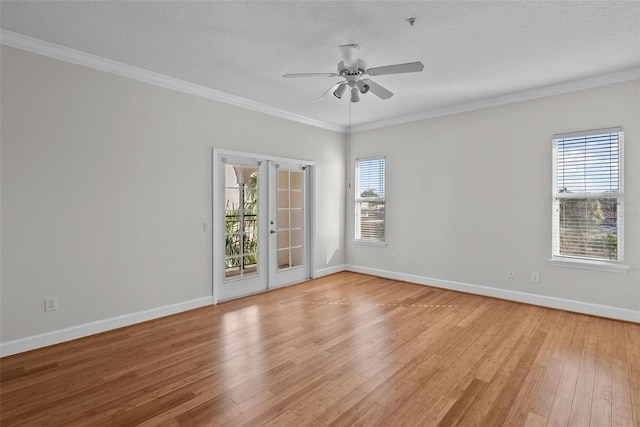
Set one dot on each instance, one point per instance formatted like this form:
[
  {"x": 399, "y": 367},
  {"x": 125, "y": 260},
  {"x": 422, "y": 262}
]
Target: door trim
[{"x": 217, "y": 199}]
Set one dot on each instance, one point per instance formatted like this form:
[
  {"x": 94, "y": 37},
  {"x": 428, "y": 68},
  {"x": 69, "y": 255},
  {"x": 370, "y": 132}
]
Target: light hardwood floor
[{"x": 346, "y": 349}]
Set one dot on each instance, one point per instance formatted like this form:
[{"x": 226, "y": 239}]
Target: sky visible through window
[
  {"x": 371, "y": 176},
  {"x": 588, "y": 164}
]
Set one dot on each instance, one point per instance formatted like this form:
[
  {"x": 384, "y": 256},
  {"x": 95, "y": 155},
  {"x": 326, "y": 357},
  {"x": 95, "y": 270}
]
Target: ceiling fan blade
[
  {"x": 409, "y": 67},
  {"x": 378, "y": 90},
  {"x": 291, "y": 76},
  {"x": 349, "y": 53}
]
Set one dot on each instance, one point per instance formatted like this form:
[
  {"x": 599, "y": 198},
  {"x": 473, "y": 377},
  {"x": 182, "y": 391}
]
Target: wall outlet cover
[{"x": 50, "y": 303}]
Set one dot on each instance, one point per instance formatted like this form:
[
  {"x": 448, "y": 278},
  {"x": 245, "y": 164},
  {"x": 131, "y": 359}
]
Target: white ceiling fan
[{"x": 353, "y": 69}]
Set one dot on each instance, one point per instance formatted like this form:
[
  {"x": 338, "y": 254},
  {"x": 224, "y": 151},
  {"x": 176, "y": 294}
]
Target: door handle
[{"x": 272, "y": 231}]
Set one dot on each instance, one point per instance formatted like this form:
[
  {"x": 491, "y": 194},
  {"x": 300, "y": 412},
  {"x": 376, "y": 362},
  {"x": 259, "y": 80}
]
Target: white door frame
[{"x": 217, "y": 214}]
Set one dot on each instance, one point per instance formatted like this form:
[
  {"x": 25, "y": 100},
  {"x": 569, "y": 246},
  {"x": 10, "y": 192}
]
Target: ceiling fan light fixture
[
  {"x": 340, "y": 90},
  {"x": 355, "y": 96},
  {"x": 362, "y": 86}
]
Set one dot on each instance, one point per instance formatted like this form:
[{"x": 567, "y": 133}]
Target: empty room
[{"x": 320, "y": 213}]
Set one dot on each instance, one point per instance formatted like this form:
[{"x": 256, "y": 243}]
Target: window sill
[
  {"x": 365, "y": 243},
  {"x": 611, "y": 267}
]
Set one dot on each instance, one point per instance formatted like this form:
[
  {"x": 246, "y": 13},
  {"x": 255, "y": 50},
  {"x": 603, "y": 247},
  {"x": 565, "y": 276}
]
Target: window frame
[
  {"x": 359, "y": 199},
  {"x": 557, "y": 259}
]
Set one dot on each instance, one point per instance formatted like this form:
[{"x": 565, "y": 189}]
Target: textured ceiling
[{"x": 472, "y": 50}]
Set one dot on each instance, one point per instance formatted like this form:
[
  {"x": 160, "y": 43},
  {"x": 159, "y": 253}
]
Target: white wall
[
  {"x": 106, "y": 183},
  {"x": 469, "y": 196}
]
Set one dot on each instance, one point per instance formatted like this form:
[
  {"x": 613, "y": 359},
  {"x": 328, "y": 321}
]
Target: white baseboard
[
  {"x": 55, "y": 337},
  {"x": 329, "y": 270},
  {"x": 541, "y": 300},
  {"x": 74, "y": 332}
]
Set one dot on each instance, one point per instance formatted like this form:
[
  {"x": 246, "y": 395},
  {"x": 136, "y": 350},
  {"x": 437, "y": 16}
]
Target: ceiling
[{"x": 473, "y": 51}]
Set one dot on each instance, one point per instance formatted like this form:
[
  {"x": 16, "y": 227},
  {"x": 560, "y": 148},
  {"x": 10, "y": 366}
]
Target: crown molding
[
  {"x": 52, "y": 50},
  {"x": 66, "y": 54},
  {"x": 574, "y": 86}
]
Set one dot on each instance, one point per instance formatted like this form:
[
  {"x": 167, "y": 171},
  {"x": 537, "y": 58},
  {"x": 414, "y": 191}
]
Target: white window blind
[
  {"x": 369, "y": 200},
  {"x": 588, "y": 195}
]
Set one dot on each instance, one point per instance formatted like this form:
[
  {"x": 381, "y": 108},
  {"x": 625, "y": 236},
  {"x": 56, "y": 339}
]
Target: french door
[
  {"x": 262, "y": 230},
  {"x": 287, "y": 224}
]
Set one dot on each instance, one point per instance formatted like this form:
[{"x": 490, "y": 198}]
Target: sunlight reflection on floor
[{"x": 241, "y": 341}]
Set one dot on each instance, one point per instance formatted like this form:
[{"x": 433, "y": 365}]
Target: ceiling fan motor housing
[{"x": 357, "y": 71}]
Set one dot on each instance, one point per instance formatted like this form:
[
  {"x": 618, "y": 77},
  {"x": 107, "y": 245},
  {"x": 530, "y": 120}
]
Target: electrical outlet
[
  {"x": 394, "y": 257},
  {"x": 511, "y": 273},
  {"x": 535, "y": 277},
  {"x": 50, "y": 304}
]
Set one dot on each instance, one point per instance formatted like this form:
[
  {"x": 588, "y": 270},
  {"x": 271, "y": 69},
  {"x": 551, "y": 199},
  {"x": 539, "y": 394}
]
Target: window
[
  {"x": 588, "y": 199},
  {"x": 370, "y": 182}
]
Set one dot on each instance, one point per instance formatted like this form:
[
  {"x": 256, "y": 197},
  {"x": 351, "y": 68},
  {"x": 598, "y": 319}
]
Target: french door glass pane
[
  {"x": 241, "y": 221},
  {"x": 290, "y": 224}
]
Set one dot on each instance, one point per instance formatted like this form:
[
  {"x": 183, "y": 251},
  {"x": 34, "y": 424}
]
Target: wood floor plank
[
  {"x": 344, "y": 350},
  {"x": 633, "y": 350},
  {"x": 463, "y": 403},
  {"x": 547, "y": 391},
  {"x": 560, "y": 412},
  {"x": 534, "y": 420},
  {"x": 583, "y": 395}
]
